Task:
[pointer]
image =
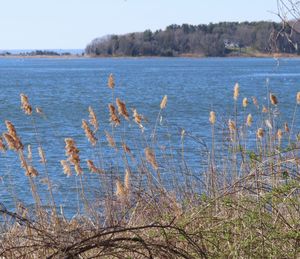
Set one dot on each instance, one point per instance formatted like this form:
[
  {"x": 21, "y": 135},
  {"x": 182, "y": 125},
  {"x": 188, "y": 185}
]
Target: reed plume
[
  {"x": 92, "y": 167},
  {"x": 163, "y": 103},
  {"x": 15, "y": 142},
  {"x": 66, "y": 167},
  {"x": 273, "y": 99},
  {"x": 42, "y": 155},
  {"x": 93, "y": 119},
  {"x": 2, "y": 145},
  {"x": 39, "y": 110},
  {"x": 260, "y": 133},
  {"x": 255, "y": 102},
  {"x": 264, "y": 109},
  {"x": 25, "y": 105},
  {"x": 231, "y": 126},
  {"x": 122, "y": 109},
  {"x": 279, "y": 134},
  {"x": 111, "y": 81},
  {"x": 249, "y": 120},
  {"x": 89, "y": 133},
  {"x": 286, "y": 127},
  {"x": 137, "y": 118},
  {"x": 29, "y": 153},
  {"x": 127, "y": 183},
  {"x": 120, "y": 190},
  {"x": 11, "y": 143},
  {"x": 72, "y": 152},
  {"x": 236, "y": 91},
  {"x": 150, "y": 157},
  {"x": 245, "y": 102},
  {"x": 31, "y": 171},
  {"x": 110, "y": 140},
  {"x": 212, "y": 117},
  {"x": 126, "y": 148},
  {"x": 298, "y": 98},
  {"x": 114, "y": 119}
]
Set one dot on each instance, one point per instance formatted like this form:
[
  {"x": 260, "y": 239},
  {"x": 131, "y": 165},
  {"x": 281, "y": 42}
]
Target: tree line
[{"x": 214, "y": 39}]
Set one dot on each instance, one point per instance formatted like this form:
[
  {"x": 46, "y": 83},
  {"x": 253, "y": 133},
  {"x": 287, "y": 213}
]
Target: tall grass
[{"x": 243, "y": 202}]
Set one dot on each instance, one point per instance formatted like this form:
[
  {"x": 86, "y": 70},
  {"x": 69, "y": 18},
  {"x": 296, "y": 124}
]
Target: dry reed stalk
[
  {"x": 273, "y": 99},
  {"x": 298, "y": 98},
  {"x": 26, "y": 107},
  {"x": 245, "y": 102},
  {"x": 150, "y": 157},
  {"x": 122, "y": 109},
  {"x": 72, "y": 152},
  {"x": 66, "y": 167},
  {"x": 93, "y": 119},
  {"x": 236, "y": 91},
  {"x": 89, "y": 133},
  {"x": 42, "y": 155},
  {"x": 111, "y": 81},
  {"x": 260, "y": 133},
  {"x": 114, "y": 119},
  {"x": 110, "y": 140},
  {"x": 212, "y": 117},
  {"x": 249, "y": 120},
  {"x": 163, "y": 103}
]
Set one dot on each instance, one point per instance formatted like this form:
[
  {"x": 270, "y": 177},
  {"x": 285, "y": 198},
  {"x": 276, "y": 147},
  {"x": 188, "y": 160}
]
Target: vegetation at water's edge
[
  {"x": 242, "y": 202},
  {"x": 220, "y": 39}
]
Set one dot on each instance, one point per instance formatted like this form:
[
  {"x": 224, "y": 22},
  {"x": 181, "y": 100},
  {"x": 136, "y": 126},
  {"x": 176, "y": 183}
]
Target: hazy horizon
[{"x": 73, "y": 24}]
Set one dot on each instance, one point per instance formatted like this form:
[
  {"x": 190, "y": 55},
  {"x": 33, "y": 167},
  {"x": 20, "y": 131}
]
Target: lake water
[{"x": 64, "y": 88}]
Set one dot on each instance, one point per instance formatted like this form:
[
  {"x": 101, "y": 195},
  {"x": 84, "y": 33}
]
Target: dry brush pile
[{"x": 246, "y": 205}]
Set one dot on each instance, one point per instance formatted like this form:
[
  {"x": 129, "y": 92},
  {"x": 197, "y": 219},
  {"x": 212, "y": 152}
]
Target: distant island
[{"x": 211, "y": 40}]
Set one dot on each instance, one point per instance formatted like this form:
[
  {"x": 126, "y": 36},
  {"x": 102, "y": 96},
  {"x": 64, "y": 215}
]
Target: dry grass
[{"x": 245, "y": 205}]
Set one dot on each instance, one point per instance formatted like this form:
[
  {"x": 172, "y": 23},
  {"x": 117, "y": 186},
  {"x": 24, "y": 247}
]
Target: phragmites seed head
[
  {"x": 89, "y": 133},
  {"x": 122, "y": 109},
  {"x": 92, "y": 167},
  {"x": 260, "y": 133},
  {"x": 249, "y": 120},
  {"x": 110, "y": 140},
  {"x": 150, "y": 157},
  {"x": 298, "y": 98},
  {"x": 126, "y": 148},
  {"x": 42, "y": 155},
  {"x": 114, "y": 119},
  {"x": 111, "y": 81},
  {"x": 39, "y": 110},
  {"x": 212, "y": 117},
  {"x": 273, "y": 99},
  {"x": 255, "y": 102},
  {"x": 11, "y": 143},
  {"x": 286, "y": 127},
  {"x": 2, "y": 145},
  {"x": 127, "y": 184},
  {"x": 138, "y": 119},
  {"x": 31, "y": 171},
  {"x": 72, "y": 152},
  {"x": 25, "y": 104},
  {"x": 120, "y": 190},
  {"x": 163, "y": 103},
  {"x": 264, "y": 109},
  {"x": 15, "y": 141},
  {"x": 93, "y": 119},
  {"x": 66, "y": 167},
  {"x": 231, "y": 126},
  {"x": 279, "y": 134},
  {"x": 236, "y": 91},
  {"x": 245, "y": 102},
  {"x": 29, "y": 153}
]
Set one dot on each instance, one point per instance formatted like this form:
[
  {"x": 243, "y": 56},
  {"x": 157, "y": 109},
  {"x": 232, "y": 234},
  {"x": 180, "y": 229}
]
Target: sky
[{"x": 72, "y": 24}]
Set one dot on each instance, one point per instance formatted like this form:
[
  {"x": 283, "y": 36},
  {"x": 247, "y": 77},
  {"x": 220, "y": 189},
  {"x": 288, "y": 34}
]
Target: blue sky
[{"x": 42, "y": 24}]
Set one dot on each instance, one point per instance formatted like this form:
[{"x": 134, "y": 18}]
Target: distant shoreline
[{"x": 252, "y": 55}]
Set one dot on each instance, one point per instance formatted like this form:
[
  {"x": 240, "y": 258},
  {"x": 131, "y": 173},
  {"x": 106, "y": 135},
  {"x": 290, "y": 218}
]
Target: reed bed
[{"x": 242, "y": 202}]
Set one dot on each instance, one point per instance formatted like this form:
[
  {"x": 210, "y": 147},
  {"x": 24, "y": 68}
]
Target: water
[{"x": 64, "y": 88}]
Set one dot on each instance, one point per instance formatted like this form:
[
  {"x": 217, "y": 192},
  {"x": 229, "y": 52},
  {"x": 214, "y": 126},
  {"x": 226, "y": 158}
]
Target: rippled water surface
[{"x": 64, "y": 88}]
